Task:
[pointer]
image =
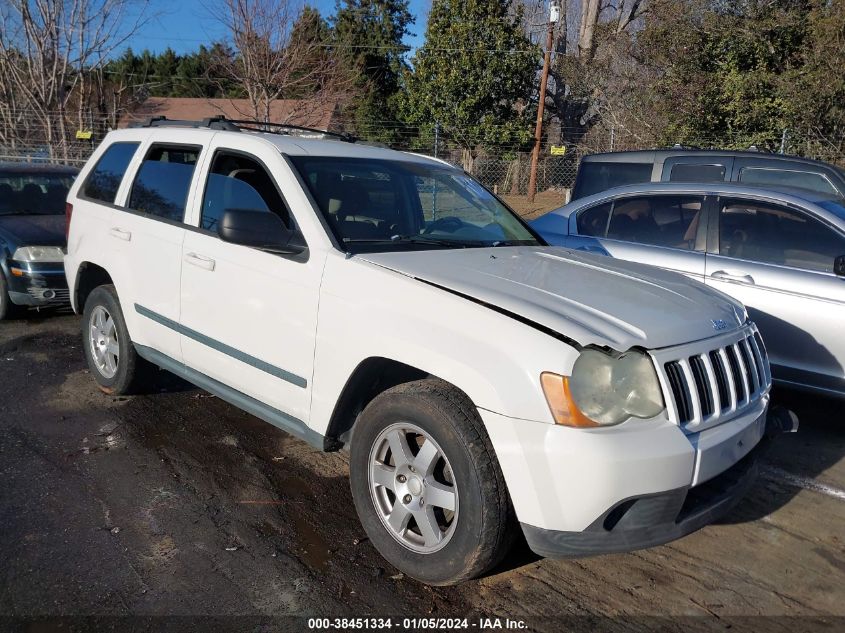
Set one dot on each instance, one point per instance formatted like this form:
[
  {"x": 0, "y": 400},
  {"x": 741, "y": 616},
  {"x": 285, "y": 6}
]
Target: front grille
[{"x": 707, "y": 385}]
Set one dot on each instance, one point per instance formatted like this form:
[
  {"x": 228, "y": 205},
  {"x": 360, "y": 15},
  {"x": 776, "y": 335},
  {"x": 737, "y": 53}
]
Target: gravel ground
[{"x": 177, "y": 504}]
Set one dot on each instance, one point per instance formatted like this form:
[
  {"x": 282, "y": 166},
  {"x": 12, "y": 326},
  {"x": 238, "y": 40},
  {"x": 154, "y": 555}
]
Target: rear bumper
[
  {"x": 649, "y": 520},
  {"x": 37, "y": 284}
]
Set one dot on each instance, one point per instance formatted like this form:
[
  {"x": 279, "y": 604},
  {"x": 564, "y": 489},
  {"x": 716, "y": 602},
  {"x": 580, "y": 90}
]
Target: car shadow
[{"x": 794, "y": 462}]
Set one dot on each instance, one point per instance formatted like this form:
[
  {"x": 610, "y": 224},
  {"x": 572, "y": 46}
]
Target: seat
[
  {"x": 8, "y": 198},
  {"x": 56, "y": 197},
  {"x": 31, "y": 198}
]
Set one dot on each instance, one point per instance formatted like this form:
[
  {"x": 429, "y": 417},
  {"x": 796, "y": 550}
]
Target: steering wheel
[{"x": 449, "y": 224}]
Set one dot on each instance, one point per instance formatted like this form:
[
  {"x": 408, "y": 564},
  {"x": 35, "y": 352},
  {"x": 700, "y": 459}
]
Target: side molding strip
[
  {"x": 277, "y": 418},
  {"x": 214, "y": 344}
]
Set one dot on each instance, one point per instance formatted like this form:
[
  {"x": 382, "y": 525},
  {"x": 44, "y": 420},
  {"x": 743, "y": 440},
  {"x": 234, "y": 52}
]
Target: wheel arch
[
  {"x": 372, "y": 376},
  {"x": 88, "y": 277}
]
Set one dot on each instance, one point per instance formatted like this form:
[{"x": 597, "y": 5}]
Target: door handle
[
  {"x": 120, "y": 234},
  {"x": 726, "y": 276},
  {"x": 206, "y": 263}
]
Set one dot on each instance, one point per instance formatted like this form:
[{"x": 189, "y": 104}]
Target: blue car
[{"x": 32, "y": 235}]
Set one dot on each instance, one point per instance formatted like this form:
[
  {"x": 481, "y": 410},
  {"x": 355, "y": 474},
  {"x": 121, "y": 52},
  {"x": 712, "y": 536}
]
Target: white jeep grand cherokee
[{"x": 359, "y": 296}]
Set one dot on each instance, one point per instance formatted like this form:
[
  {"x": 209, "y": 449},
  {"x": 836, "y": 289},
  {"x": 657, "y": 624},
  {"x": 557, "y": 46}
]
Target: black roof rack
[{"x": 237, "y": 125}]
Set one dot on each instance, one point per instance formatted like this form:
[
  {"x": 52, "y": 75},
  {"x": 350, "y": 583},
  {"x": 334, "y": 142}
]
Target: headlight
[
  {"x": 604, "y": 390},
  {"x": 39, "y": 254}
]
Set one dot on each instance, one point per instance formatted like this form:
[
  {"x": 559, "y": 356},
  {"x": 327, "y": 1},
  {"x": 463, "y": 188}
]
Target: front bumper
[
  {"x": 579, "y": 492},
  {"x": 651, "y": 520},
  {"x": 655, "y": 519},
  {"x": 37, "y": 285}
]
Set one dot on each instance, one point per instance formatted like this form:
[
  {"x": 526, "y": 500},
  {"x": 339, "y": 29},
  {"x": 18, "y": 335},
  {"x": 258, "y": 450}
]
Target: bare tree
[
  {"x": 277, "y": 57},
  {"x": 49, "y": 52},
  {"x": 587, "y": 32}
]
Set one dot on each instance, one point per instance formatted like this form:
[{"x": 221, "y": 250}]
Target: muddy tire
[
  {"x": 427, "y": 485},
  {"x": 112, "y": 359}
]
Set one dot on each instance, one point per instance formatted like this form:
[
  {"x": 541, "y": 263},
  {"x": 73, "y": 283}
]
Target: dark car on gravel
[
  {"x": 600, "y": 172},
  {"x": 32, "y": 235}
]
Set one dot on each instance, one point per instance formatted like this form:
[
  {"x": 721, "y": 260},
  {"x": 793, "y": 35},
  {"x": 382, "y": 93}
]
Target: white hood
[{"x": 591, "y": 299}]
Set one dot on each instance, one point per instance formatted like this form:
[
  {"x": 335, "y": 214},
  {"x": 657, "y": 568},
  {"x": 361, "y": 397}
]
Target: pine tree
[
  {"x": 473, "y": 75},
  {"x": 368, "y": 37}
]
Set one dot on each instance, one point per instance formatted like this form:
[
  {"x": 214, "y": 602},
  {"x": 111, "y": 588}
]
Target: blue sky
[{"x": 185, "y": 24}]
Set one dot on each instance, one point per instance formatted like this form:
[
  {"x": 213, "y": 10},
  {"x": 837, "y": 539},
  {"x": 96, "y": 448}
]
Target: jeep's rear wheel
[
  {"x": 111, "y": 356},
  {"x": 427, "y": 485}
]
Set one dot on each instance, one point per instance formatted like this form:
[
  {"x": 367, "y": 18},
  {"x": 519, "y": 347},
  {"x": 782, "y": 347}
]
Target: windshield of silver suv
[{"x": 383, "y": 204}]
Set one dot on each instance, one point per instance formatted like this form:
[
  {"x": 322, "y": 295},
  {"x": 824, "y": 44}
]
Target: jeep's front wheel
[
  {"x": 111, "y": 356},
  {"x": 427, "y": 485}
]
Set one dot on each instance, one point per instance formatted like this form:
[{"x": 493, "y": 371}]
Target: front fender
[{"x": 368, "y": 311}]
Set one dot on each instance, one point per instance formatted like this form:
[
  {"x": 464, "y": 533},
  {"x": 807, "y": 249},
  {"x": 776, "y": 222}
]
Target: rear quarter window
[
  {"x": 104, "y": 180},
  {"x": 594, "y": 177},
  {"x": 787, "y": 178}
]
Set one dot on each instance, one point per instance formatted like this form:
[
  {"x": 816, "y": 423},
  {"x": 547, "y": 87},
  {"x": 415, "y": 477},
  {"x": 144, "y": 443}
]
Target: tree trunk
[{"x": 587, "y": 34}]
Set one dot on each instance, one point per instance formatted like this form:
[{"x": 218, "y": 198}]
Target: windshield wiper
[
  {"x": 427, "y": 239},
  {"x": 412, "y": 239}
]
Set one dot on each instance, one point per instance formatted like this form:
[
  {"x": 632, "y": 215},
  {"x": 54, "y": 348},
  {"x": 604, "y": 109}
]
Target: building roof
[{"x": 305, "y": 112}]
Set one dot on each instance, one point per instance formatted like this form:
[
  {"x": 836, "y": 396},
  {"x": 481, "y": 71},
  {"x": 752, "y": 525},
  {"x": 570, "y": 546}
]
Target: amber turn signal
[{"x": 559, "y": 399}]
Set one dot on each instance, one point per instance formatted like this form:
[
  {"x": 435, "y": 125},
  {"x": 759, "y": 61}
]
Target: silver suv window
[
  {"x": 668, "y": 221},
  {"x": 786, "y": 178},
  {"x": 773, "y": 234}
]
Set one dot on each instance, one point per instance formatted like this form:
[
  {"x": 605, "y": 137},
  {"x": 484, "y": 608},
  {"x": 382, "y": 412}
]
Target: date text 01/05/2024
[{"x": 417, "y": 624}]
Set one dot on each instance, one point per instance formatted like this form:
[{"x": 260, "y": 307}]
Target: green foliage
[
  {"x": 474, "y": 74},
  {"x": 308, "y": 33},
  {"x": 728, "y": 70},
  {"x": 170, "y": 75},
  {"x": 368, "y": 37}
]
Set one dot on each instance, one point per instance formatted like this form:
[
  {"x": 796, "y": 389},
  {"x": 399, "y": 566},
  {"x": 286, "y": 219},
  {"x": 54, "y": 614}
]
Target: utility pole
[
  {"x": 436, "y": 138},
  {"x": 554, "y": 16}
]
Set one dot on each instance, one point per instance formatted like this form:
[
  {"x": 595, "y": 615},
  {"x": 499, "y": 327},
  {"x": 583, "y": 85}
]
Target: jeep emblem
[{"x": 719, "y": 324}]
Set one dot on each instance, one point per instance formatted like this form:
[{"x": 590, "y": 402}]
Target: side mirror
[
  {"x": 839, "y": 266},
  {"x": 259, "y": 229}
]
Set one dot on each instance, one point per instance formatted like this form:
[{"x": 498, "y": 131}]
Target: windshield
[
  {"x": 38, "y": 193},
  {"x": 384, "y": 204}
]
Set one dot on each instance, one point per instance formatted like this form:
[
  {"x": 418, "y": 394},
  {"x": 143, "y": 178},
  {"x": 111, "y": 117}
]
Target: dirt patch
[
  {"x": 179, "y": 504},
  {"x": 544, "y": 202}
]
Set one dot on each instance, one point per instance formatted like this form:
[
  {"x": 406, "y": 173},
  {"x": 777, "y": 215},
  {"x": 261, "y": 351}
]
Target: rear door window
[
  {"x": 765, "y": 176},
  {"x": 164, "y": 178},
  {"x": 689, "y": 172},
  {"x": 668, "y": 221},
  {"x": 772, "y": 234},
  {"x": 104, "y": 180},
  {"x": 594, "y": 177}
]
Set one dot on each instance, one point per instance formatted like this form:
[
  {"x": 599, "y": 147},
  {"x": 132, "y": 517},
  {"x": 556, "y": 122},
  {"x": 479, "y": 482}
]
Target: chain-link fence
[{"x": 505, "y": 170}]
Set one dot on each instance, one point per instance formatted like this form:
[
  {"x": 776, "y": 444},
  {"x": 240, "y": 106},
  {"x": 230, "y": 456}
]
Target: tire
[
  {"x": 116, "y": 374},
  {"x": 8, "y": 310},
  {"x": 457, "y": 544}
]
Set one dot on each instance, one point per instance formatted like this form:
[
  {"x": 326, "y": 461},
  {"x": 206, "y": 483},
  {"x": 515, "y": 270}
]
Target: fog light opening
[{"x": 614, "y": 516}]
